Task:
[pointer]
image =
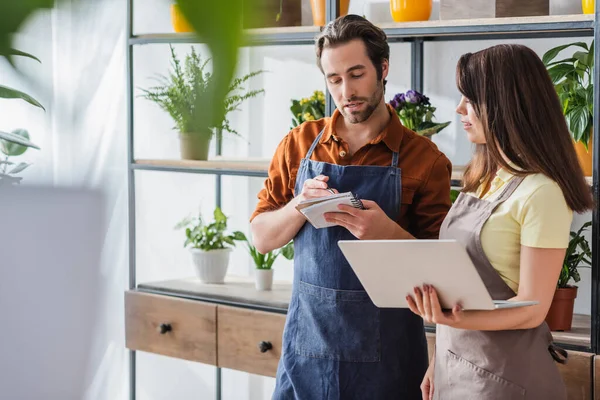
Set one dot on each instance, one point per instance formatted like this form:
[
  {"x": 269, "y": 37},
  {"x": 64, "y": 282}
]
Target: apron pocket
[
  {"x": 468, "y": 381},
  {"x": 340, "y": 325}
]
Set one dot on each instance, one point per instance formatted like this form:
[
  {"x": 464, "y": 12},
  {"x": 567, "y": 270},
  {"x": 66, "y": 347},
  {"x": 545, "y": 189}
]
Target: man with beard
[{"x": 337, "y": 344}]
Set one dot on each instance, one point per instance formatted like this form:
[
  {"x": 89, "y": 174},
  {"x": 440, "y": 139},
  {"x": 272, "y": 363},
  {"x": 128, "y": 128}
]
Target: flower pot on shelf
[
  {"x": 211, "y": 266},
  {"x": 585, "y": 156},
  {"x": 178, "y": 21},
  {"x": 194, "y": 146},
  {"x": 263, "y": 279},
  {"x": 410, "y": 10},
  {"x": 560, "y": 314},
  {"x": 461, "y": 9},
  {"x": 587, "y": 6},
  {"x": 318, "y": 10}
]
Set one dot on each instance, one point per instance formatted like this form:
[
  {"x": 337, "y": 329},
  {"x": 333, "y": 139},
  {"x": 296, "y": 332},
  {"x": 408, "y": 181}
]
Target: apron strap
[
  {"x": 314, "y": 144},
  {"x": 395, "y": 160},
  {"x": 559, "y": 354},
  {"x": 509, "y": 189}
]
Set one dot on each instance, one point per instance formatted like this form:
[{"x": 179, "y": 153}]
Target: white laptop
[{"x": 390, "y": 269}]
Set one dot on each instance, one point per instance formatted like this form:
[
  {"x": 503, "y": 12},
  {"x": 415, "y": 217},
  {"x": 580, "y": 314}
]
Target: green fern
[{"x": 179, "y": 91}]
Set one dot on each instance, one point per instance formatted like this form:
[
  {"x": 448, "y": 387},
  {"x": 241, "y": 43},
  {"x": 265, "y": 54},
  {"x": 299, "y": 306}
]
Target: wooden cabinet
[
  {"x": 249, "y": 340},
  {"x": 235, "y": 327},
  {"x": 171, "y": 326}
]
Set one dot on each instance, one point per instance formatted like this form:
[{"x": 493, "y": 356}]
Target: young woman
[{"x": 513, "y": 217}]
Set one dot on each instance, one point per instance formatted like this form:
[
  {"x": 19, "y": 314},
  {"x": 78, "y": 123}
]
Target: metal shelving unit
[{"x": 417, "y": 34}]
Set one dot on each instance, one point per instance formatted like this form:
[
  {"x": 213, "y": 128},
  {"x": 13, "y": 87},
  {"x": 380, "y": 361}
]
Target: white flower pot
[
  {"x": 211, "y": 266},
  {"x": 263, "y": 279}
]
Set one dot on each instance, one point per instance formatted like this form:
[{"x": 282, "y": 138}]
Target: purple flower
[
  {"x": 398, "y": 101},
  {"x": 413, "y": 97}
]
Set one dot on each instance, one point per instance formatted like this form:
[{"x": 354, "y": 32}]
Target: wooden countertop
[
  {"x": 240, "y": 292},
  {"x": 235, "y": 292}
]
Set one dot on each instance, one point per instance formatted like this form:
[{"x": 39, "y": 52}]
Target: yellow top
[{"x": 535, "y": 215}]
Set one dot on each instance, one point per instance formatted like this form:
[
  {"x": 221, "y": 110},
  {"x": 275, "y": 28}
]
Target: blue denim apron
[{"x": 336, "y": 343}]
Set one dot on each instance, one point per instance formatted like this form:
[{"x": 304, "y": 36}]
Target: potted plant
[
  {"x": 416, "y": 113},
  {"x": 572, "y": 78},
  {"x": 178, "y": 93},
  {"x": 210, "y": 245},
  {"x": 560, "y": 314},
  {"x": 9, "y": 169},
  {"x": 308, "y": 108},
  {"x": 263, "y": 273}
]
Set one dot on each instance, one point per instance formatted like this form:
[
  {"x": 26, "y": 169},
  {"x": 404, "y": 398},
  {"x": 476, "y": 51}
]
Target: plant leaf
[
  {"x": 9, "y": 93},
  {"x": 15, "y": 52},
  {"x": 577, "y": 120},
  {"x": 15, "y": 138},
  {"x": 559, "y": 71},
  {"x": 552, "y": 53},
  {"x": 20, "y": 167}
]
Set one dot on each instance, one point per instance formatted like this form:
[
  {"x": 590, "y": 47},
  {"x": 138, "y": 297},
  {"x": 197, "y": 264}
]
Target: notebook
[{"x": 313, "y": 209}]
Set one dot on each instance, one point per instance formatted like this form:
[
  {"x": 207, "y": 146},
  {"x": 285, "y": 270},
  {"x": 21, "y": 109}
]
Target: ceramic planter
[
  {"x": 194, "y": 146},
  {"x": 263, "y": 279},
  {"x": 585, "y": 156},
  {"x": 318, "y": 10},
  {"x": 560, "y": 314},
  {"x": 410, "y": 10},
  {"x": 211, "y": 266}
]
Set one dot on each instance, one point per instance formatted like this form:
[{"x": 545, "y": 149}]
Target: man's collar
[{"x": 391, "y": 135}]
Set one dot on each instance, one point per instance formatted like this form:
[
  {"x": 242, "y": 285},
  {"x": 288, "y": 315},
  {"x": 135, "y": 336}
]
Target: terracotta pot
[
  {"x": 410, "y": 10},
  {"x": 560, "y": 315},
  {"x": 318, "y": 10},
  {"x": 585, "y": 156},
  {"x": 178, "y": 21},
  {"x": 194, "y": 146},
  {"x": 587, "y": 6}
]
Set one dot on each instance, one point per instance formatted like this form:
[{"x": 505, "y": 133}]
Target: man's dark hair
[{"x": 351, "y": 27}]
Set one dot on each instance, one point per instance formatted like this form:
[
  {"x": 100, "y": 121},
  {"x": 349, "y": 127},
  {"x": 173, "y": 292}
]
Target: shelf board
[
  {"x": 218, "y": 166},
  {"x": 297, "y": 35},
  {"x": 257, "y": 167},
  {"x": 490, "y": 28}
]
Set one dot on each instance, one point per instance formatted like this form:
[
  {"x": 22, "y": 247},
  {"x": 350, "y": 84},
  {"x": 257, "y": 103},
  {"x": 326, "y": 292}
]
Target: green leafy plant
[
  {"x": 9, "y": 169},
  {"x": 578, "y": 252},
  {"x": 178, "y": 94},
  {"x": 212, "y": 236},
  {"x": 416, "y": 113},
  {"x": 572, "y": 78},
  {"x": 308, "y": 108},
  {"x": 454, "y": 195},
  {"x": 265, "y": 261},
  {"x": 16, "y": 142},
  {"x": 216, "y": 23}
]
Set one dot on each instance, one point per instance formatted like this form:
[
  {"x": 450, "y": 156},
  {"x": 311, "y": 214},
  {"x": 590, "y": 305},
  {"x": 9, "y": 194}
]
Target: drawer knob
[
  {"x": 164, "y": 328},
  {"x": 265, "y": 346}
]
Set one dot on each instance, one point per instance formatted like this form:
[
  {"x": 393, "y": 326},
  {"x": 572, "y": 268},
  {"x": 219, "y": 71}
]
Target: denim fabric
[{"x": 337, "y": 344}]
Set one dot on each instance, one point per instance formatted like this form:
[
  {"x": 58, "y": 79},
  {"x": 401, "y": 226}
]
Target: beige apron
[{"x": 492, "y": 365}]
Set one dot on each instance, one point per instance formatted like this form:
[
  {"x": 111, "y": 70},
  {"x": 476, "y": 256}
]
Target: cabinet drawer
[
  {"x": 171, "y": 326},
  {"x": 240, "y": 335}
]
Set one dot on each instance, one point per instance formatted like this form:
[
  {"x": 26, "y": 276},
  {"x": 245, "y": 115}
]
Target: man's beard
[{"x": 370, "y": 103}]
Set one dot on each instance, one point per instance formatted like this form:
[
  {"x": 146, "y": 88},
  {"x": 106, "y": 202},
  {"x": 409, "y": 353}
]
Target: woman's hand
[
  {"x": 427, "y": 384},
  {"x": 427, "y": 305}
]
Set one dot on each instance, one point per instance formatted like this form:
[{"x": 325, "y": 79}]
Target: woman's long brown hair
[{"x": 513, "y": 96}]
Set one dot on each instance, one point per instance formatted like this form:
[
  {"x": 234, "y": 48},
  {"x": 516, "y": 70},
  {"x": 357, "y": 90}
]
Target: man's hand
[
  {"x": 315, "y": 188},
  {"x": 372, "y": 223}
]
